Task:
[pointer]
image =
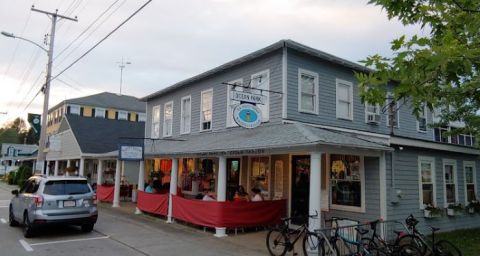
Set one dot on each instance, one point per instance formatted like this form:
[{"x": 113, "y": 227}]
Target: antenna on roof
[{"x": 122, "y": 65}]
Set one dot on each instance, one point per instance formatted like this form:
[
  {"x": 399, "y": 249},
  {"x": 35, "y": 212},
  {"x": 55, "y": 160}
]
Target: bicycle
[
  {"x": 378, "y": 245},
  {"x": 279, "y": 240},
  {"x": 346, "y": 238},
  {"x": 418, "y": 239}
]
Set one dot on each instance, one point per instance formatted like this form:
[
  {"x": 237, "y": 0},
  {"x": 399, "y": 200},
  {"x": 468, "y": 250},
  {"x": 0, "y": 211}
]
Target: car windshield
[{"x": 66, "y": 187}]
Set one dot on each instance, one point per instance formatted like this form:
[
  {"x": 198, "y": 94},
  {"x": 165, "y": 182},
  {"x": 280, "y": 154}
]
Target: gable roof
[
  {"x": 271, "y": 48},
  {"x": 108, "y": 100},
  {"x": 100, "y": 135}
]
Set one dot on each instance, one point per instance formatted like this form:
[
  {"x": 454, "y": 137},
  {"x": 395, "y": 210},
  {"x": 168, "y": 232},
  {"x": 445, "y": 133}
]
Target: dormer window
[{"x": 122, "y": 115}]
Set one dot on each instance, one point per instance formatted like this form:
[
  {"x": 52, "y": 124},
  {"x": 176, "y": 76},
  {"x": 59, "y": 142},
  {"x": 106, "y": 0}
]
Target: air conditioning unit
[{"x": 373, "y": 118}]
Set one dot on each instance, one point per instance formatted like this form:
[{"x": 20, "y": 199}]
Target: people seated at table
[
  {"x": 241, "y": 195},
  {"x": 209, "y": 196},
  {"x": 157, "y": 185},
  {"x": 149, "y": 188},
  {"x": 257, "y": 196}
]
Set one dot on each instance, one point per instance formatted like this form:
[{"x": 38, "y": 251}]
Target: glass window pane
[
  {"x": 427, "y": 191},
  {"x": 449, "y": 178},
  {"x": 345, "y": 180},
  {"x": 426, "y": 172},
  {"x": 308, "y": 84},
  {"x": 450, "y": 188},
  {"x": 308, "y": 102},
  {"x": 343, "y": 109},
  {"x": 343, "y": 92},
  {"x": 469, "y": 174}
]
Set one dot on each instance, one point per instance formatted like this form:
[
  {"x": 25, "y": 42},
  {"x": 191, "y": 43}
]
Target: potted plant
[
  {"x": 455, "y": 209},
  {"x": 431, "y": 211},
  {"x": 473, "y": 206}
]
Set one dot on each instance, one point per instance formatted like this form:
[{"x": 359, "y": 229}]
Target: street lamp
[
  {"x": 41, "y": 157},
  {"x": 122, "y": 66}
]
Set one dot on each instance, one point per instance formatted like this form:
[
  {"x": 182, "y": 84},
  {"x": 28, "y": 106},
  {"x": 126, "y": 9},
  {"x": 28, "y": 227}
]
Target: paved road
[{"x": 120, "y": 234}]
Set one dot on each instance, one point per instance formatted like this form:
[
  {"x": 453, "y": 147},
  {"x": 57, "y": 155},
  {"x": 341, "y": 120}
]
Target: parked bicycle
[
  {"x": 378, "y": 245},
  {"x": 282, "y": 240},
  {"x": 427, "y": 247}
]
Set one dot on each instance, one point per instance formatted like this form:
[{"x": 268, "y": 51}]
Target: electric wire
[
  {"x": 103, "y": 39},
  {"x": 85, "y": 30},
  {"x": 90, "y": 34}
]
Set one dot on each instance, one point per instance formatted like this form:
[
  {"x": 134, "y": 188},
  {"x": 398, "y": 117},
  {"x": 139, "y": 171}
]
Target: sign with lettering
[
  {"x": 247, "y": 115},
  {"x": 248, "y": 97},
  {"x": 131, "y": 153}
]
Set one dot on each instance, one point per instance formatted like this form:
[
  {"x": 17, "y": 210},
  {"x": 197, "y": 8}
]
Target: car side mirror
[{"x": 15, "y": 192}]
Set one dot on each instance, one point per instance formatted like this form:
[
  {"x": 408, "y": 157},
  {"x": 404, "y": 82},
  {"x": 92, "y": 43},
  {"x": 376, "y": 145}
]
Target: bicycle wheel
[
  {"x": 409, "y": 250},
  {"x": 445, "y": 248},
  {"x": 277, "y": 242},
  {"x": 412, "y": 240},
  {"x": 311, "y": 245},
  {"x": 370, "y": 246}
]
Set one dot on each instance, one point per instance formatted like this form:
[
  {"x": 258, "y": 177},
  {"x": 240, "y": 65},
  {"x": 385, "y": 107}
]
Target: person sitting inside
[
  {"x": 157, "y": 186},
  {"x": 209, "y": 196},
  {"x": 149, "y": 188},
  {"x": 257, "y": 197},
  {"x": 241, "y": 195}
]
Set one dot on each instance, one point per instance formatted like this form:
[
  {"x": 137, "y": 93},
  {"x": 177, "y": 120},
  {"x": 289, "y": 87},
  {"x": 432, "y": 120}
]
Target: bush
[
  {"x": 11, "y": 178},
  {"x": 23, "y": 173}
]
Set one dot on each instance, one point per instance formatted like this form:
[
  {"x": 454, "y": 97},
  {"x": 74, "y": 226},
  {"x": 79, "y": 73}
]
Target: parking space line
[
  {"x": 71, "y": 240},
  {"x": 2, "y": 220},
  {"x": 26, "y": 246}
]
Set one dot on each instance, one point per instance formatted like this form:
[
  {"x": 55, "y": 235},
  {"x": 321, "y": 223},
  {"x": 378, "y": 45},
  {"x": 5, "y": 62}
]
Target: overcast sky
[{"x": 169, "y": 41}]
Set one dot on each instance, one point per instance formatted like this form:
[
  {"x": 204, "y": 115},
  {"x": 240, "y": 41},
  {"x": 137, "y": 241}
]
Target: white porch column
[
  {"x": 383, "y": 189},
  {"x": 81, "y": 168},
  {"x": 55, "y": 171},
  {"x": 47, "y": 168},
  {"x": 221, "y": 190},
  {"x": 315, "y": 205},
  {"x": 116, "y": 192},
  {"x": 173, "y": 188},
  {"x": 69, "y": 163},
  {"x": 141, "y": 182},
  {"x": 99, "y": 172}
]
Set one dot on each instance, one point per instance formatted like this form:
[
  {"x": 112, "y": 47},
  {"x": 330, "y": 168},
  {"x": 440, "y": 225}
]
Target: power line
[
  {"x": 85, "y": 30},
  {"x": 103, "y": 39},
  {"x": 91, "y": 32}
]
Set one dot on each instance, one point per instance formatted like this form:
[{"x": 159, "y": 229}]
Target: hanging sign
[
  {"x": 247, "y": 115},
  {"x": 131, "y": 153},
  {"x": 248, "y": 97}
]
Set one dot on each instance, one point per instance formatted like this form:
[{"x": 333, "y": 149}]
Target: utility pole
[
  {"x": 41, "y": 157},
  {"x": 122, "y": 66}
]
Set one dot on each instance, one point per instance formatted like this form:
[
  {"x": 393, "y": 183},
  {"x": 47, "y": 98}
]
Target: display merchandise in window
[{"x": 345, "y": 177}]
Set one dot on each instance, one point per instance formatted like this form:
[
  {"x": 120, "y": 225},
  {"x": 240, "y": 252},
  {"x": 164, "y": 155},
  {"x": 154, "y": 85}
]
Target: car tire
[
  {"x": 87, "y": 227},
  {"x": 27, "y": 226},
  {"x": 11, "y": 218}
]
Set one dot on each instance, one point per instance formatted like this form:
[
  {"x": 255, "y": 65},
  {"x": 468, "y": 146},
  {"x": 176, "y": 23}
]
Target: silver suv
[{"x": 55, "y": 199}]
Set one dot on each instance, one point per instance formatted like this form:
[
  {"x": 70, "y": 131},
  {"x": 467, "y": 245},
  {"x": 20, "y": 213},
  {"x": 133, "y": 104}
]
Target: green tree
[
  {"x": 16, "y": 132},
  {"x": 439, "y": 69}
]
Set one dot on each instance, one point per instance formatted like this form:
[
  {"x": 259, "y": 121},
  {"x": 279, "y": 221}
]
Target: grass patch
[{"x": 467, "y": 240}]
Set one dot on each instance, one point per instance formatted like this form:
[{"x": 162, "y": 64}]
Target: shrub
[
  {"x": 11, "y": 178},
  {"x": 23, "y": 173}
]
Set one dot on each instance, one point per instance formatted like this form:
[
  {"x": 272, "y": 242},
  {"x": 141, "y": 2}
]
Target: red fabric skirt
[
  {"x": 152, "y": 203},
  {"x": 105, "y": 193}
]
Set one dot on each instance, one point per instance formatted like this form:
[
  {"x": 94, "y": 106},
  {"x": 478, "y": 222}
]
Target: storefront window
[
  {"x": 259, "y": 175},
  {"x": 346, "y": 180},
  {"x": 198, "y": 174},
  {"x": 159, "y": 169}
]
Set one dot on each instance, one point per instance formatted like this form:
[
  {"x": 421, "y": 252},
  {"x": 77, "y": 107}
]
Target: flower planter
[
  {"x": 453, "y": 212},
  {"x": 429, "y": 214}
]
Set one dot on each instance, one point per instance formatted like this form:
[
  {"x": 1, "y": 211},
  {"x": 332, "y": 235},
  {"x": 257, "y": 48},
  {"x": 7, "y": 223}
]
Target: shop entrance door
[
  {"x": 300, "y": 188},
  {"x": 233, "y": 176}
]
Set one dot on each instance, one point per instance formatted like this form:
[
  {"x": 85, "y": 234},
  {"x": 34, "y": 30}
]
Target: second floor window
[
  {"x": 344, "y": 99},
  {"x": 185, "y": 115},
  {"x": 122, "y": 115},
  {"x": 308, "y": 91},
  {"x": 74, "y": 109},
  {"x": 206, "y": 110},
  {"x": 422, "y": 119},
  {"x": 142, "y": 117},
  {"x": 100, "y": 112},
  {"x": 155, "y": 133},
  {"x": 168, "y": 119}
]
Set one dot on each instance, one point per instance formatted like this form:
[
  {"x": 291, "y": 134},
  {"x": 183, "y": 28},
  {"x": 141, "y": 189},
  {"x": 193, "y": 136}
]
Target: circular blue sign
[{"x": 247, "y": 115}]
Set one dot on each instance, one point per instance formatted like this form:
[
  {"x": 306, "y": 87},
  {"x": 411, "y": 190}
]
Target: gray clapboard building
[{"x": 317, "y": 145}]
